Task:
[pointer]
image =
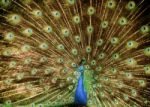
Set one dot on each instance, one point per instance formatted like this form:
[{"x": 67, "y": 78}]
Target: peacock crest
[{"x": 42, "y": 43}]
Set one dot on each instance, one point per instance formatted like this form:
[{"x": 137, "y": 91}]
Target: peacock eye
[
  {"x": 91, "y": 10},
  {"x": 71, "y": 99},
  {"x": 130, "y": 5},
  {"x": 73, "y": 65},
  {"x": 128, "y": 75},
  {"x": 114, "y": 40},
  {"x": 37, "y": 13},
  {"x": 12, "y": 64},
  {"x": 5, "y": 3},
  {"x": 40, "y": 105},
  {"x": 105, "y": 78},
  {"x": 122, "y": 21},
  {"x": 25, "y": 48},
  {"x": 7, "y": 52},
  {"x": 99, "y": 68},
  {"x": 64, "y": 70},
  {"x": 60, "y": 47},
  {"x": 33, "y": 71},
  {"x": 90, "y": 29},
  {"x": 133, "y": 92},
  {"x": 104, "y": 24},
  {"x": 74, "y": 51},
  {"x": 13, "y": 19},
  {"x": 9, "y": 36},
  {"x": 87, "y": 67},
  {"x": 44, "y": 46},
  {"x": 56, "y": 14},
  {"x": 27, "y": 60},
  {"x": 93, "y": 62},
  {"x": 144, "y": 29},
  {"x": 8, "y": 102},
  {"x": 100, "y": 42},
  {"x": 115, "y": 101},
  {"x": 90, "y": 102},
  {"x": 113, "y": 70},
  {"x": 76, "y": 19},
  {"x": 61, "y": 85},
  {"x": 111, "y": 4},
  {"x": 71, "y": 2},
  {"x": 48, "y": 70},
  {"x": 60, "y": 60},
  {"x": 131, "y": 44},
  {"x": 20, "y": 76},
  {"x": 27, "y": 32},
  {"x": 77, "y": 39},
  {"x": 69, "y": 79},
  {"x": 48, "y": 29},
  {"x": 115, "y": 56},
  {"x": 88, "y": 49},
  {"x": 147, "y": 51},
  {"x": 141, "y": 83},
  {"x": 131, "y": 62},
  {"x": 147, "y": 69},
  {"x": 65, "y": 32},
  {"x": 70, "y": 87},
  {"x": 101, "y": 56}
]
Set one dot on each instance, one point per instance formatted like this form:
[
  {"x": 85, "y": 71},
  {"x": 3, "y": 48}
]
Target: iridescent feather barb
[{"x": 43, "y": 41}]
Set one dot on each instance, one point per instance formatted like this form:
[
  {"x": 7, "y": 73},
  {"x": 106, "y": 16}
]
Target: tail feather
[{"x": 43, "y": 41}]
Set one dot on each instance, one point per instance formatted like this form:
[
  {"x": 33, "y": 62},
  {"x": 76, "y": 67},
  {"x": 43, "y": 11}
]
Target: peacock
[{"x": 60, "y": 53}]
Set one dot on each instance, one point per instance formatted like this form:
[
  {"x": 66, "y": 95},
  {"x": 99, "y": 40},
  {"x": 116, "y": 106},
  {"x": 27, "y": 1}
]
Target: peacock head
[{"x": 82, "y": 62}]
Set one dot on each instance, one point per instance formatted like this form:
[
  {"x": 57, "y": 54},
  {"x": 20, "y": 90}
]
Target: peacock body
[{"x": 42, "y": 43}]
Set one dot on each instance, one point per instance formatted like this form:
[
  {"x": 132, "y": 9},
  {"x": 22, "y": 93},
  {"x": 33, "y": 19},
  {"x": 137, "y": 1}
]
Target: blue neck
[{"x": 81, "y": 95}]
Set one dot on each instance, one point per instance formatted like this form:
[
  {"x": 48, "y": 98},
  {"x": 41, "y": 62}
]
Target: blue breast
[{"x": 80, "y": 93}]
